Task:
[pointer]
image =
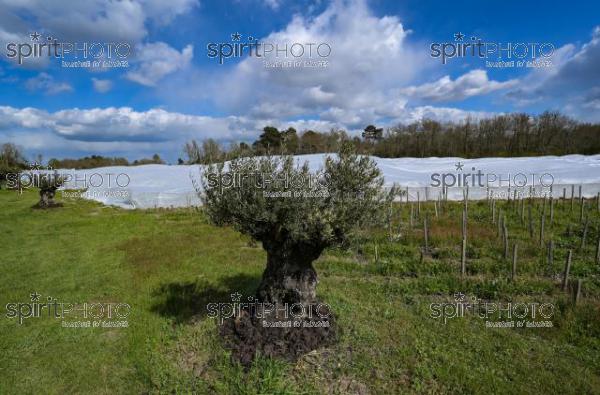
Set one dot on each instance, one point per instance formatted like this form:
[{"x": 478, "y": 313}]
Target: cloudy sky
[{"x": 379, "y": 68}]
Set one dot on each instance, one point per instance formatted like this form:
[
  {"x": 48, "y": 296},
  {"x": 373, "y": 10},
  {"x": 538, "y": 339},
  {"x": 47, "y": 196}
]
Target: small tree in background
[
  {"x": 291, "y": 142},
  {"x": 211, "y": 151},
  {"x": 48, "y": 185},
  {"x": 11, "y": 161},
  {"x": 269, "y": 142},
  {"x": 372, "y": 133},
  {"x": 193, "y": 152}
]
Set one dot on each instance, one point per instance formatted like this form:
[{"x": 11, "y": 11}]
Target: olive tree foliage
[{"x": 293, "y": 212}]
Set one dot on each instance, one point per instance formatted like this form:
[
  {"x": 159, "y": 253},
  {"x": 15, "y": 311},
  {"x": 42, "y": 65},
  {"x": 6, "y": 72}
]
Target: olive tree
[
  {"x": 293, "y": 212},
  {"x": 48, "y": 184}
]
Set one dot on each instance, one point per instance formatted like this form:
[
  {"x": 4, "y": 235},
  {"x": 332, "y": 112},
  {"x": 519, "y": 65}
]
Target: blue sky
[{"x": 380, "y": 69}]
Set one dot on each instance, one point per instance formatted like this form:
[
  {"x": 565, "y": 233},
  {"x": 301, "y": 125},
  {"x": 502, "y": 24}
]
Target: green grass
[{"x": 168, "y": 264}]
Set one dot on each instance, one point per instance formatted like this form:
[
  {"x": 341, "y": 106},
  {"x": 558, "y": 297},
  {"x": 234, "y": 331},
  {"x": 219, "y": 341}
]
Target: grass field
[{"x": 168, "y": 264}]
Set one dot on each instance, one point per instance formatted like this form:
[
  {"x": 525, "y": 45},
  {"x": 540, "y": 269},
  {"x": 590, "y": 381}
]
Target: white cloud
[
  {"x": 369, "y": 58},
  {"x": 317, "y": 94},
  {"x": 29, "y": 118},
  {"x": 110, "y": 131},
  {"x": 123, "y": 124},
  {"x": 275, "y": 110},
  {"x": 571, "y": 84},
  {"x": 371, "y": 61},
  {"x": 398, "y": 113},
  {"x": 473, "y": 83},
  {"x": 442, "y": 114},
  {"x": 7, "y": 37},
  {"x": 45, "y": 83},
  {"x": 92, "y": 19},
  {"x": 102, "y": 86},
  {"x": 79, "y": 21},
  {"x": 156, "y": 60}
]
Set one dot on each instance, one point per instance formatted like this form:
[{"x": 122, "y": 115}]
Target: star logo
[
  {"x": 35, "y": 297},
  {"x": 459, "y": 166},
  {"x": 236, "y": 297},
  {"x": 236, "y": 36},
  {"x": 35, "y": 36},
  {"x": 459, "y": 296},
  {"x": 458, "y": 36}
]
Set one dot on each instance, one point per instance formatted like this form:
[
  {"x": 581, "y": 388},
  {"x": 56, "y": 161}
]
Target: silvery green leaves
[{"x": 278, "y": 199}]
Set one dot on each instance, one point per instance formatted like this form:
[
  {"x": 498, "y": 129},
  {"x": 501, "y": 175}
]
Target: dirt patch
[{"x": 275, "y": 336}]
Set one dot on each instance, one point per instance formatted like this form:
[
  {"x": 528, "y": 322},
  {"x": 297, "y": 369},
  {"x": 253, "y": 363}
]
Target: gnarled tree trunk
[
  {"x": 47, "y": 197},
  {"x": 289, "y": 276}
]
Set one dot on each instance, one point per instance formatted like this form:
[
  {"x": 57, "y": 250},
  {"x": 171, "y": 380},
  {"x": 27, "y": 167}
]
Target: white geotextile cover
[{"x": 151, "y": 186}]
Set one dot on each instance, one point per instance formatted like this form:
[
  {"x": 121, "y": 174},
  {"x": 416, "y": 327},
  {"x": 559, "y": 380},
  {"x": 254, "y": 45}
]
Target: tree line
[
  {"x": 12, "y": 160},
  {"x": 94, "y": 161},
  {"x": 510, "y": 135}
]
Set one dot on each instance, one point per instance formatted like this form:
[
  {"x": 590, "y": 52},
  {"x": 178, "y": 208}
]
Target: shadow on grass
[{"x": 184, "y": 300}]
